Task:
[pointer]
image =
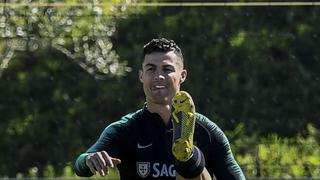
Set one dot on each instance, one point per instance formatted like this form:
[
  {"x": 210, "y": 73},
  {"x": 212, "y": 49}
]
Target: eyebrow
[
  {"x": 153, "y": 65},
  {"x": 149, "y": 64}
]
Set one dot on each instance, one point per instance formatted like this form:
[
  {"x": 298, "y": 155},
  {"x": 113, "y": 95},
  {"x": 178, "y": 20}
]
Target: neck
[{"x": 164, "y": 110}]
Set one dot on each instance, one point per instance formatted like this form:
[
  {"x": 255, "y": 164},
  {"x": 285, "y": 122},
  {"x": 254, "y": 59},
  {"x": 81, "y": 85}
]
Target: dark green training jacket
[{"x": 143, "y": 143}]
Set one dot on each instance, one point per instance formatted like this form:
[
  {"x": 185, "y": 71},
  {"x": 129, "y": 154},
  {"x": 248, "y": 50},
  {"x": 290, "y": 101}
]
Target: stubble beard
[{"x": 160, "y": 99}]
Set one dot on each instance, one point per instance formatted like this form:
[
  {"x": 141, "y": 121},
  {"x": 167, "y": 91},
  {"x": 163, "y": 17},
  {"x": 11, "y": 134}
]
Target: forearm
[{"x": 228, "y": 168}]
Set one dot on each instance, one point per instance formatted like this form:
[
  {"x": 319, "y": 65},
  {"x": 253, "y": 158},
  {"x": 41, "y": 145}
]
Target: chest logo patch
[
  {"x": 143, "y": 169},
  {"x": 139, "y": 146}
]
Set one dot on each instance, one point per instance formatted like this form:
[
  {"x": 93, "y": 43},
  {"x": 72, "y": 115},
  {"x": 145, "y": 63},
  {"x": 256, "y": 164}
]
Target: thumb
[{"x": 115, "y": 161}]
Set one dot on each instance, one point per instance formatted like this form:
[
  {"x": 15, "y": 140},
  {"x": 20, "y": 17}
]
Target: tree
[
  {"x": 47, "y": 100},
  {"x": 82, "y": 33},
  {"x": 246, "y": 64}
]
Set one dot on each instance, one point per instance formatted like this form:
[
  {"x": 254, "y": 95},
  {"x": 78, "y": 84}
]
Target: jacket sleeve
[
  {"x": 224, "y": 163},
  {"x": 108, "y": 141},
  {"x": 81, "y": 169}
]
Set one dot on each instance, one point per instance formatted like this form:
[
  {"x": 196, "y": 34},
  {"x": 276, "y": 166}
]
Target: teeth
[{"x": 159, "y": 87}]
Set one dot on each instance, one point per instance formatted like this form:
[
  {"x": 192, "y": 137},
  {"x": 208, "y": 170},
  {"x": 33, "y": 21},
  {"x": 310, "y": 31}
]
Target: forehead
[{"x": 160, "y": 58}]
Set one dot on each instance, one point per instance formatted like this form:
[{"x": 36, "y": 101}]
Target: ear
[
  {"x": 183, "y": 75},
  {"x": 140, "y": 75}
]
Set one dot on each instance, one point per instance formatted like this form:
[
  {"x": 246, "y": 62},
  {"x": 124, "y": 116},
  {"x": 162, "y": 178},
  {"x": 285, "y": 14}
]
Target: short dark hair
[{"x": 162, "y": 45}]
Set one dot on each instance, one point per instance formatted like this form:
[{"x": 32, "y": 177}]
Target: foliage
[
  {"x": 253, "y": 71},
  {"x": 41, "y": 104},
  {"x": 274, "y": 156},
  {"x": 251, "y": 65},
  {"x": 81, "y": 33}
]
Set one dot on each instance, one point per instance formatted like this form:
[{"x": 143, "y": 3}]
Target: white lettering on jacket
[{"x": 162, "y": 170}]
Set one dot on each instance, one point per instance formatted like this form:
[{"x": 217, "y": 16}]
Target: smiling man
[{"x": 166, "y": 139}]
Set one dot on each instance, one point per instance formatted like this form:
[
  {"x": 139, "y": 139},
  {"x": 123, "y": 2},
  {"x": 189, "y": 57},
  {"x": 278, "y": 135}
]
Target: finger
[
  {"x": 91, "y": 166},
  {"x": 115, "y": 161},
  {"x": 107, "y": 158},
  {"x": 102, "y": 163},
  {"x": 97, "y": 165}
]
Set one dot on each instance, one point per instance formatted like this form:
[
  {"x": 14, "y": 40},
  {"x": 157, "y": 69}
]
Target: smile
[
  {"x": 160, "y": 87},
  {"x": 157, "y": 87}
]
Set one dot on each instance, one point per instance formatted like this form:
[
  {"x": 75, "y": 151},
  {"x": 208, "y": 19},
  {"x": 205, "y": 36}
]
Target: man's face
[{"x": 161, "y": 76}]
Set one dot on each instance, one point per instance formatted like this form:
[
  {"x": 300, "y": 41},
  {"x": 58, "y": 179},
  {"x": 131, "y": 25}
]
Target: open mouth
[{"x": 158, "y": 87}]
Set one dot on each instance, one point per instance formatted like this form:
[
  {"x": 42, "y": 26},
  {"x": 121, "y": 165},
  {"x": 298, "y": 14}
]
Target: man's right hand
[{"x": 100, "y": 161}]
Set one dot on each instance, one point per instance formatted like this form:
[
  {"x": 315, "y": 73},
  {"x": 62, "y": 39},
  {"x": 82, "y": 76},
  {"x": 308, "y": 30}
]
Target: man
[{"x": 166, "y": 139}]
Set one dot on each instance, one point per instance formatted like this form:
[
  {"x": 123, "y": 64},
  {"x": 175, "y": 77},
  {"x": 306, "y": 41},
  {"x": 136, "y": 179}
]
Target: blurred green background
[{"x": 68, "y": 70}]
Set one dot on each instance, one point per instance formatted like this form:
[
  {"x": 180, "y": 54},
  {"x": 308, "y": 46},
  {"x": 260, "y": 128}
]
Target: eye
[
  {"x": 168, "y": 70},
  {"x": 150, "y": 69}
]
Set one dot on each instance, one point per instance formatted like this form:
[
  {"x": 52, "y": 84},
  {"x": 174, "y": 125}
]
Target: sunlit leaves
[
  {"x": 239, "y": 39},
  {"x": 82, "y": 33},
  {"x": 274, "y": 156}
]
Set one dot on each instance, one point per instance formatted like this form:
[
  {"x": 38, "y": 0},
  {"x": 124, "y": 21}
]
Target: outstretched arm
[
  {"x": 100, "y": 156},
  {"x": 95, "y": 162}
]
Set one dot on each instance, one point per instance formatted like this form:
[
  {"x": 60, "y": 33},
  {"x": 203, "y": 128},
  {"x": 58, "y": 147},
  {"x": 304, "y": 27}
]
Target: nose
[{"x": 158, "y": 76}]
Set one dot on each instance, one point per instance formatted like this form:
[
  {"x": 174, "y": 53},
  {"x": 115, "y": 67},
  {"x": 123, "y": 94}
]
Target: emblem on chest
[
  {"x": 157, "y": 169},
  {"x": 143, "y": 169}
]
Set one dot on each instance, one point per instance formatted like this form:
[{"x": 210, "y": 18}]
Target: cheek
[
  {"x": 175, "y": 79},
  {"x": 145, "y": 77}
]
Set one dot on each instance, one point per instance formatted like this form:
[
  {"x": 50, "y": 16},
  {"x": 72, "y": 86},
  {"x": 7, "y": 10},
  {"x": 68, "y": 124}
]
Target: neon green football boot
[{"x": 183, "y": 120}]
